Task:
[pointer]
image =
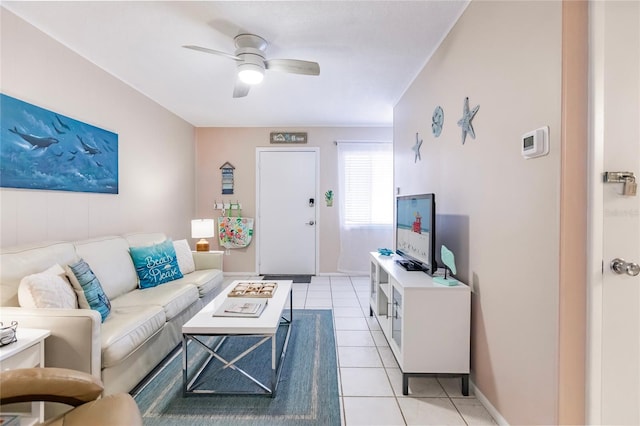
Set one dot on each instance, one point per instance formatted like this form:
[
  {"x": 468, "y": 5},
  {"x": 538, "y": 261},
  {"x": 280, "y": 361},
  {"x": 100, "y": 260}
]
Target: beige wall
[
  {"x": 215, "y": 146},
  {"x": 499, "y": 212},
  {"x": 156, "y": 148}
]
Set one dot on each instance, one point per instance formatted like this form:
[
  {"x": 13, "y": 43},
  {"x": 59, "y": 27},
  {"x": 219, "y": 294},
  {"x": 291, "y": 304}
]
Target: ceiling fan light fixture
[{"x": 250, "y": 73}]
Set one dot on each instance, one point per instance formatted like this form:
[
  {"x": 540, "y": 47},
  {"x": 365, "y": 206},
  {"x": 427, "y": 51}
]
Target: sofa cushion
[
  {"x": 88, "y": 288},
  {"x": 110, "y": 261},
  {"x": 47, "y": 289},
  {"x": 156, "y": 264},
  {"x": 173, "y": 297},
  {"x": 20, "y": 261},
  {"x": 184, "y": 256},
  {"x": 126, "y": 329},
  {"x": 205, "y": 280}
]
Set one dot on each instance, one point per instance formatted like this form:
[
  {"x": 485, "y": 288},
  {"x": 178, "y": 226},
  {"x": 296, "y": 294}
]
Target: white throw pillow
[
  {"x": 47, "y": 289},
  {"x": 185, "y": 257}
]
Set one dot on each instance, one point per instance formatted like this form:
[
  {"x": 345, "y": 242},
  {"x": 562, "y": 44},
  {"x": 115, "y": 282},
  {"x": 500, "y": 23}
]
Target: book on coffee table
[{"x": 240, "y": 308}]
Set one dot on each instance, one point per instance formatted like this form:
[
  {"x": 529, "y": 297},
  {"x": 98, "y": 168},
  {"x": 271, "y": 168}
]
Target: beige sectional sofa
[{"x": 143, "y": 325}]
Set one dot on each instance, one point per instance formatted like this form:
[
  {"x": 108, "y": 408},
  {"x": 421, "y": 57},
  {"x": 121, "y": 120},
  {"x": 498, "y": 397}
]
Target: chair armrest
[
  {"x": 63, "y": 385},
  {"x": 75, "y": 335},
  {"x": 117, "y": 409},
  {"x": 208, "y": 259}
]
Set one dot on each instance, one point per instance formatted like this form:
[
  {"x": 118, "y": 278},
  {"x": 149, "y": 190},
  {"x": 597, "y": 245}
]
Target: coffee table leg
[
  {"x": 274, "y": 376},
  {"x": 184, "y": 364}
]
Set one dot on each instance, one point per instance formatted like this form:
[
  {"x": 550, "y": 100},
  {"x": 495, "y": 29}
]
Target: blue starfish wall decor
[
  {"x": 465, "y": 121},
  {"x": 416, "y": 149}
]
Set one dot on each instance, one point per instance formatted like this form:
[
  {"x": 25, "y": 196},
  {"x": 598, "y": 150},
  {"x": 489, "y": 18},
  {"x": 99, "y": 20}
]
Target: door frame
[
  {"x": 595, "y": 230},
  {"x": 597, "y": 264},
  {"x": 316, "y": 151}
]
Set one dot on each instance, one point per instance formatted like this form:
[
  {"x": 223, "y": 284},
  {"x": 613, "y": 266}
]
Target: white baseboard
[
  {"x": 240, "y": 274},
  {"x": 490, "y": 408}
]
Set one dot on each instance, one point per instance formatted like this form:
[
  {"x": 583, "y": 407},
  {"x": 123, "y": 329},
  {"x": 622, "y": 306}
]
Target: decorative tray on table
[{"x": 254, "y": 289}]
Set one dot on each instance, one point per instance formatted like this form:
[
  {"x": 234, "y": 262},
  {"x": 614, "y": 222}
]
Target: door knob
[
  {"x": 619, "y": 266},
  {"x": 311, "y": 222}
]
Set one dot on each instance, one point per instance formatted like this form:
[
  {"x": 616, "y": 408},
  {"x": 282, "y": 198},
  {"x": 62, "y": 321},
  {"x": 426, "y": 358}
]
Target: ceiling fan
[{"x": 252, "y": 62}]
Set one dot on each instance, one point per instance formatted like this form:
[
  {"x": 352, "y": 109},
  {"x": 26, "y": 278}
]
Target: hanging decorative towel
[{"x": 235, "y": 232}]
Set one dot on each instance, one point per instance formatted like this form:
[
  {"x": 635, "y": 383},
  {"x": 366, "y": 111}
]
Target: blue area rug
[{"x": 307, "y": 393}]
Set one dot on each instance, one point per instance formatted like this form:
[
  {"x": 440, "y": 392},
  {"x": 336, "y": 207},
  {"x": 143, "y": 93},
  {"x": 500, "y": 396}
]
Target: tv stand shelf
[{"x": 426, "y": 324}]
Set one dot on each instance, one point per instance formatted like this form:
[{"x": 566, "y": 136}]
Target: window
[
  {"x": 365, "y": 197},
  {"x": 366, "y": 183}
]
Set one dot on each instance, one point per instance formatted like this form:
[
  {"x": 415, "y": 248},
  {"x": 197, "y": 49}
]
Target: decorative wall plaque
[
  {"x": 227, "y": 178},
  {"x": 437, "y": 120},
  {"x": 288, "y": 137}
]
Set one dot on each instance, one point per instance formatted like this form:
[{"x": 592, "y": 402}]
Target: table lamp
[{"x": 202, "y": 228}]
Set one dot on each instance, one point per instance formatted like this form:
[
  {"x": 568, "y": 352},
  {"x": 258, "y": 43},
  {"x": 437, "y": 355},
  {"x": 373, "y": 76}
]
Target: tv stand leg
[
  {"x": 370, "y": 311},
  {"x": 465, "y": 385},
  {"x": 405, "y": 384}
]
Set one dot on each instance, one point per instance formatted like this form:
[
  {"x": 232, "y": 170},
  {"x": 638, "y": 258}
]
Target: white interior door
[
  {"x": 286, "y": 231},
  {"x": 614, "y": 351}
]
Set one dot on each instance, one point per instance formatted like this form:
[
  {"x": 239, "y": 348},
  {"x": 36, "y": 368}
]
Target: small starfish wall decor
[
  {"x": 416, "y": 149},
  {"x": 465, "y": 121}
]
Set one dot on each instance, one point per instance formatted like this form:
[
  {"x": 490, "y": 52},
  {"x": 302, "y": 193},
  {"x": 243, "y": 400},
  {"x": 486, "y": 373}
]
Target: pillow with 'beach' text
[{"x": 156, "y": 264}]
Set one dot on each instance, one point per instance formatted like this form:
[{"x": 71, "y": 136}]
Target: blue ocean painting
[{"x": 40, "y": 149}]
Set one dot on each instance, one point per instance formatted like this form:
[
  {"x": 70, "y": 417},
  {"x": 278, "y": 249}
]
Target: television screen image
[{"x": 414, "y": 230}]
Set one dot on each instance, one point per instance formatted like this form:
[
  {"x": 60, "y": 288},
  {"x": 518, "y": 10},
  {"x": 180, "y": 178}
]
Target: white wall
[
  {"x": 156, "y": 148},
  {"x": 497, "y": 211}
]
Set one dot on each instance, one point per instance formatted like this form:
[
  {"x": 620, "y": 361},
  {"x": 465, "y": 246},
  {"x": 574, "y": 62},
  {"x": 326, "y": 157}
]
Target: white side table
[{"x": 26, "y": 352}]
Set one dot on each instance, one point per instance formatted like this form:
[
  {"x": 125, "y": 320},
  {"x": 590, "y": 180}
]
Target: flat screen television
[{"x": 416, "y": 232}]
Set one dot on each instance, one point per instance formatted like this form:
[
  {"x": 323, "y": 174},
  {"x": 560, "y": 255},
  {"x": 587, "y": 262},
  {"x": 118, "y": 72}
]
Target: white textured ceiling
[{"x": 368, "y": 51}]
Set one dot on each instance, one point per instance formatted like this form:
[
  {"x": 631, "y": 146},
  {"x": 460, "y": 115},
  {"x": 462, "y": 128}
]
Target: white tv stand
[{"x": 426, "y": 324}]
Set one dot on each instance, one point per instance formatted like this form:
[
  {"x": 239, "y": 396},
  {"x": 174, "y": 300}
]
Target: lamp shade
[{"x": 202, "y": 228}]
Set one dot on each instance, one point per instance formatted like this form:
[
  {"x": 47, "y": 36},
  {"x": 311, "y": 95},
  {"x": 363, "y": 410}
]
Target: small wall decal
[
  {"x": 437, "y": 120},
  {"x": 416, "y": 149},
  {"x": 328, "y": 197},
  {"x": 465, "y": 121}
]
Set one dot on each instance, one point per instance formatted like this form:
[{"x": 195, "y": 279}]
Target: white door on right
[{"x": 615, "y": 102}]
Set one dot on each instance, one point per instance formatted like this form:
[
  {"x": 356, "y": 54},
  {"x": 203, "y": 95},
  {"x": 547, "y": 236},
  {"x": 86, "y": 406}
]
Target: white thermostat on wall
[{"x": 536, "y": 143}]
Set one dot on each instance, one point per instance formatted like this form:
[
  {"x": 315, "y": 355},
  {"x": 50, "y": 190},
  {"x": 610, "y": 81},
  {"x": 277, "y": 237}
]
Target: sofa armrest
[
  {"x": 75, "y": 335},
  {"x": 208, "y": 259}
]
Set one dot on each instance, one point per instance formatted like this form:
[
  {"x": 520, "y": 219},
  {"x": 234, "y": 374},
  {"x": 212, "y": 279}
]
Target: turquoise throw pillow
[
  {"x": 155, "y": 264},
  {"x": 93, "y": 292}
]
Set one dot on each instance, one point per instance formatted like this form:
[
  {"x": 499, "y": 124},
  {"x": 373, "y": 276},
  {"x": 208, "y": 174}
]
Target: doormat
[{"x": 294, "y": 278}]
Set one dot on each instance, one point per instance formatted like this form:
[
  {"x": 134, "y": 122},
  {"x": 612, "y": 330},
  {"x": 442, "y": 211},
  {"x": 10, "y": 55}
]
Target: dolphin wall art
[{"x": 27, "y": 135}]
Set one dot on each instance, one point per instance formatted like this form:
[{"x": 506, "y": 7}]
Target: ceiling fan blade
[
  {"x": 294, "y": 66},
  {"x": 240, "y": 90},
  {"x": 214, "y": 52}
]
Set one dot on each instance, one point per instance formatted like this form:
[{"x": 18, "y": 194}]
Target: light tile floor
[{"x": 370, "y": 379}]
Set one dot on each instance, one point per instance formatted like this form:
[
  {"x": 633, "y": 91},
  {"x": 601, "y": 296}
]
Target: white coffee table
[{"x": 266, "y": 326}]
